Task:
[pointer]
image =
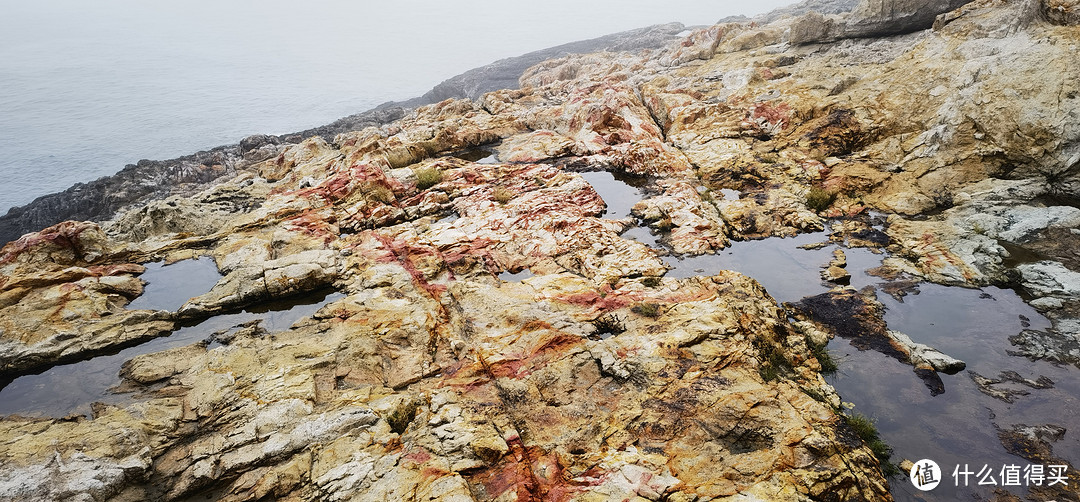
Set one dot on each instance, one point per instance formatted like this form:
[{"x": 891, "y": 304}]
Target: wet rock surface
[
  {"x": 836, "y": 270},
  {"x": 64, "y": 291},
  {"x": 993, "y": 386},
  {"x": 432, "y": 376},
  {"x": 471, "y": 401},
  {"x": 1035, "y": 444},
  {"x": 435, "y": 376},
  {"x": 859, "y": 318}
]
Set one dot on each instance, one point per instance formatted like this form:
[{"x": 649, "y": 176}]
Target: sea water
[{"x": 88, "y": 87}]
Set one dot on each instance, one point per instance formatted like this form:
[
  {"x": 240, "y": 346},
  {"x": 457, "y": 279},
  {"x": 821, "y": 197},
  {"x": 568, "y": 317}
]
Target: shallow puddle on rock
[
  {"x": 643, "y": 235},
  {"x": 958, "y": 426},
  {"x": 1019, "y": 255},
  {"x": 168, "y": 287},
  {"x": 787, "y": 271},
  {"x": 70, "y": 388},
  {"x": 509, "y": 276},
  {"x": 620, "y": 192},
  {"x": 478, "y": 154},
  {"x": 450, "y": 218}
]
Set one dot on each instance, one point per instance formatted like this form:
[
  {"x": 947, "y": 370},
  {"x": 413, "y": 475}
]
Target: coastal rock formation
[
  {"x": 924, "y": 357},
  {"x": 869, "y": 18},
  {"x": 1063, "y": 12},
  {"x": 874, "y": 18},
  {"x": 1035, "y": 443},
  {"x": 421, "y": 382},
  {"x": 62, "y": 296},
  {"x": 507, "y": 421},
  {"x": 825, "y": 7},
  {"x": 434, "y": 378},
  {"x": 504, "y": 74},
  {"x": 147, "y": 180}
]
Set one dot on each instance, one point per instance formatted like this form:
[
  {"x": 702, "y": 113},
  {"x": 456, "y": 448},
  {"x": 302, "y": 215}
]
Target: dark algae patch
[{"x": 851, "y": 316}]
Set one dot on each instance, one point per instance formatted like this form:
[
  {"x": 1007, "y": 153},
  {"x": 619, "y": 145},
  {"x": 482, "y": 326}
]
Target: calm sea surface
[{"x": 88, "y": 87}]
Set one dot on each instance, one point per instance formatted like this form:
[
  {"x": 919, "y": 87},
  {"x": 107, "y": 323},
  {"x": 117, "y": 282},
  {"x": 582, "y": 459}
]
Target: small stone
[
  {"x": 839, "y": 258},
  {"x": 1047, "y": 303},
  {"x": 489, "y": 448},
  {"x": 836, "y": 275},
  {"x": 926, "y": 356}
]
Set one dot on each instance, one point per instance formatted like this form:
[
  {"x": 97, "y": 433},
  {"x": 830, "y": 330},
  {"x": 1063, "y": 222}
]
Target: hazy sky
[{"x": 447, "y": 36}]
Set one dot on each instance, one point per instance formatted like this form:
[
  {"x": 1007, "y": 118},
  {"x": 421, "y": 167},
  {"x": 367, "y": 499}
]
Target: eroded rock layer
[{"x": 596, "y": 378}]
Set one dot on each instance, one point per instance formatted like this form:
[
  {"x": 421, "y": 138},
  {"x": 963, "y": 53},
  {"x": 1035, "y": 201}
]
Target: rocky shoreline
[
  {"x": 435, "y": 377},
  {"x": 147, "y": 180}
]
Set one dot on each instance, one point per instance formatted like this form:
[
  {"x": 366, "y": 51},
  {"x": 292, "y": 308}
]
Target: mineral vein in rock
[{"x": 596, "y": 378}]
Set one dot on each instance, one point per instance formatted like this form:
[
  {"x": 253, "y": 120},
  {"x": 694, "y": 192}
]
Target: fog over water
[{"x": 89, "y": 87}]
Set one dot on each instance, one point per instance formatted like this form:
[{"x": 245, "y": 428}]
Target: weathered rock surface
[
  {"x": 408, "y": 390},
  {"x": 1060, "y": 344},
  {"x": 504, "y": 74},
  {"x": 923, "y": 356},
  {"x": 596, "y": 378},
  {"x": 432, "y": 379},
  {"x": 869, "y": 18},
  {"x": 62, "y": 295},
  {"x": 873, "y": 18},
  {"x": 820, "y": 6},
  {"x": 1035, "y": 443},
  {"x": 1063, "y": 12},
  {"x": 1006, "y": 392}
]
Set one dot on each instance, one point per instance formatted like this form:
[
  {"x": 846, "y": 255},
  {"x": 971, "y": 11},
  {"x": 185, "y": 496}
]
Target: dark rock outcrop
[
  {"x": 146, "y": 180},
  {"x": 876, "y": 18},
  {"x": 870, "y": 18},
  {"x": 825, "y": 7},
  {"x": 1063, "y": 12},
  {"x": 504, "y": 73},
  {"x": 99, "y": 199}
]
